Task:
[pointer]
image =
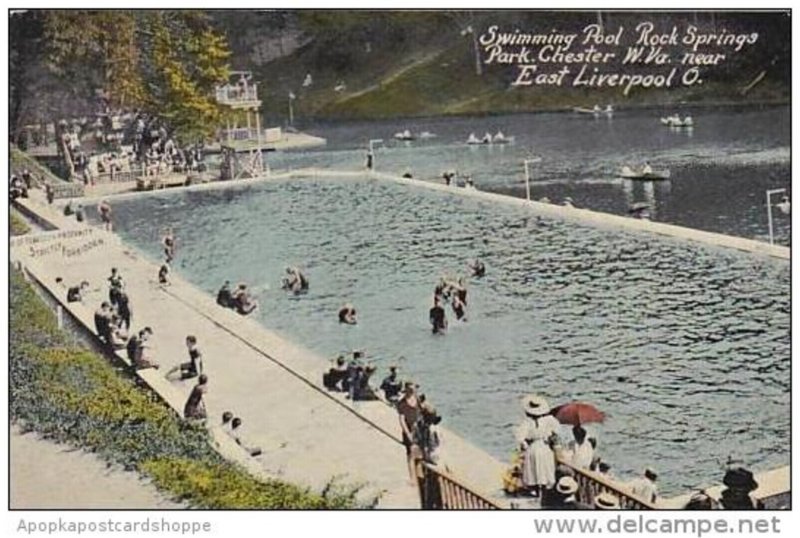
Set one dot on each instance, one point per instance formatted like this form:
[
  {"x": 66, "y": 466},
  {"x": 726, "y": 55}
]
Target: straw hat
[
  {"x": 606, "y": 501},
  {"x": 535, "y": 406},
  {"x": 567, "y": 485}
]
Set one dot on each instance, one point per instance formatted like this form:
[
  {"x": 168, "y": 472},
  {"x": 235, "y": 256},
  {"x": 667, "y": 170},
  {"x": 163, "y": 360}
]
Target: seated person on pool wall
[
  {"x": 224, "y": 295},
  {"x": 334, "y": 378},
  {"x": 242, "y": 301}
]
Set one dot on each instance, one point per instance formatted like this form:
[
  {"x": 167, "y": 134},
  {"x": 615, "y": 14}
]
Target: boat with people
[
  {"x": 676, "y": 121},
  {"x": 500, "y": 138},
  {"x": 488, "y": 139},
  {"x": 645, "y": 174},
  {"x": 596, "y": 110},
  {"x": 404, "y": 136}
]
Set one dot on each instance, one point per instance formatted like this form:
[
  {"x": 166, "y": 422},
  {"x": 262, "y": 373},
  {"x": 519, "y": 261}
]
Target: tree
[
  {"x": 188, "y": 59},
  {"x": 165, "y": 62},
  {"x": 97, "y": 49}
]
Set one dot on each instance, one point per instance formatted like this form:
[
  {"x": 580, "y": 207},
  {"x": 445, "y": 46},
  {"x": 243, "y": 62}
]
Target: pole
[
  {"x": 372, "y": 143},
  {"x": 769, "y": 216},
  {"x": 527, "y": 182},
  {"x": 478, "y": 67},
  {"x": 291, "y": 113},
  {"x": 527, "y": 163},
  {"x": 769, "y": 212}
]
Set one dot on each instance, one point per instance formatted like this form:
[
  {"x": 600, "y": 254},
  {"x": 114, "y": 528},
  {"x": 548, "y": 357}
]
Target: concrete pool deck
[{"x": 308, "y": 435}]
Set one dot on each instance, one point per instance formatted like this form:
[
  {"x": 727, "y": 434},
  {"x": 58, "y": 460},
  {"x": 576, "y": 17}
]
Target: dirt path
[{"x": 49, "y": 475}]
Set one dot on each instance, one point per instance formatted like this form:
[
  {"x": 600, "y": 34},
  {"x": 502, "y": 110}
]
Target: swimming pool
[{"x": 686, "y": 347}]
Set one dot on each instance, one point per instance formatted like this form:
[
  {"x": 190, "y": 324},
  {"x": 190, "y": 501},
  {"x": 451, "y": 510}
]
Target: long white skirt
[{"x": 539, "y": 465}]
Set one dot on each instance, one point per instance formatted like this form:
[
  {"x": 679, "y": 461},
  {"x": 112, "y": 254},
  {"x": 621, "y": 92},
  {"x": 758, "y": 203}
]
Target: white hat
[
  {"x": 567, "y": 485},
  {"x": 606, "y": 501},
  {"x": 535, "y": 406}
]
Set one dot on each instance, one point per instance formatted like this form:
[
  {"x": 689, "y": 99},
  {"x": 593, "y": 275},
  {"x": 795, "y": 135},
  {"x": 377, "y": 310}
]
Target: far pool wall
[
  {"x": 583, "y": 216},
  {"x": 596, "y": 218}
]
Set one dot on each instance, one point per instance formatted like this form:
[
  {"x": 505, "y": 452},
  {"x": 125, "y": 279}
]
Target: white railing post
[
  {"x": 527, "y": 163},
  {"x": 769, "y": 212}
]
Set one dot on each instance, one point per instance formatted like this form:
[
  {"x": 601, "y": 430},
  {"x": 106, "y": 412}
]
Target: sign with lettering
[
  {"x": 618, "y": 57},
  {"x": 66, "y": 243},
  {"x": 67, "y": 190}
]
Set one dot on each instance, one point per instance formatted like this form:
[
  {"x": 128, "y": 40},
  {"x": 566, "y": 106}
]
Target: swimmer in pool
[
  {"x": 437, "y": 318},
  {"x": 477, "y": 267},
  {"x": 295, "y": 281},
  {"x": 347, "y": 314},
  {"x": 458, "y": 308}
]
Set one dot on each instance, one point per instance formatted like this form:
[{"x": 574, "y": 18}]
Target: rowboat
[
  {"x": 676, "y": 121},
  {"x": 595, "y": 111},
  {"x": 644, "y": 175},
  {"x": 404, "y": 135}
]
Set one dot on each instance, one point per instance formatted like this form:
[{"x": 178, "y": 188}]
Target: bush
[
  {"x": 17, "y": 224},
  {"x": 75, "y": 396}
]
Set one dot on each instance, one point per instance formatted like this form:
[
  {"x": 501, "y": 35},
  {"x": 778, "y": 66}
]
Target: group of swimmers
[
  {"x": 454, "y": 292},
  {"x": 351, "y": 377},
  {"x": 240, "y": 299},
  {"x": 243, "y": 301}
]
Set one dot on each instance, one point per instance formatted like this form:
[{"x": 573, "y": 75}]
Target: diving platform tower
[{"x": 243, "y": 127}]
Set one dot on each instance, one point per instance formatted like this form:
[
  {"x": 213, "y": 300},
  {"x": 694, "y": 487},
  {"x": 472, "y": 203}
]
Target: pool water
[{"x": 685, "y": 347}]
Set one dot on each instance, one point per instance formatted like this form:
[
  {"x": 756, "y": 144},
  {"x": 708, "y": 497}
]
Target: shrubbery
[
  {"x": 75, "y": 396},
  {"x": 17, "y": 224}
]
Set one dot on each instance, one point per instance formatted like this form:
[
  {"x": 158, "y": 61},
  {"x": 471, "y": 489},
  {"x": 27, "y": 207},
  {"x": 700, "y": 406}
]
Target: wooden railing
[
  {"x": 134, "y": 173},
  {"x": 439, "y": 490},
  {"x": 228, "y": 95},
  {"x": 591, "y": 484}
]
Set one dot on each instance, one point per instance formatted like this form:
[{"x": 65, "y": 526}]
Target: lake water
[
  {"x": 720, "y": 169},
  {"x": 687, "y": 348}
]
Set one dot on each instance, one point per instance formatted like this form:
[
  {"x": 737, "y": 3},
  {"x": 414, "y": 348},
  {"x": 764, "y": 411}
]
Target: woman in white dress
[{"x": 535, "y": 435}]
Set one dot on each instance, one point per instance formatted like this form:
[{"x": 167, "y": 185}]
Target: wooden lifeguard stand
[{"x": 240, "y": 94}]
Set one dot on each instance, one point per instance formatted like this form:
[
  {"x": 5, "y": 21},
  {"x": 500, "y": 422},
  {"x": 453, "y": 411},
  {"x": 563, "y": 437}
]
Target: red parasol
[{"x": 577, "y": 413}]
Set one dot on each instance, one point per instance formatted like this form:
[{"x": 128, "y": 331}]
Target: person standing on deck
[
  {"x": 645, "y": 486},
  {"x": 124, "y": 309},
  {"x": 104, "y": 209},
  {"x": 410, "y": 414},
  {"x": 102, "y": 322},
  {"x": 168, "y": 242},
  {"x": 116, "y": 285},
  {"x": 583, "y": 451},
  {"x": 535, "y": 436}
]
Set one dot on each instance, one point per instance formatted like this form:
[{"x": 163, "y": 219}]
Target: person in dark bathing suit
[
  {"x": 224, "y": 296},
  {"x": 437, "y": 318},
  {"x": 195, "y": 407},
  {"x": 194, "y": 367},
  {"x": 169, "y": 245},
  {"x": 347, "y": 314}
]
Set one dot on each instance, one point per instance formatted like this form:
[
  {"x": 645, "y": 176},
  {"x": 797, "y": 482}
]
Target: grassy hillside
[{"x": 419, "y": 64}]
